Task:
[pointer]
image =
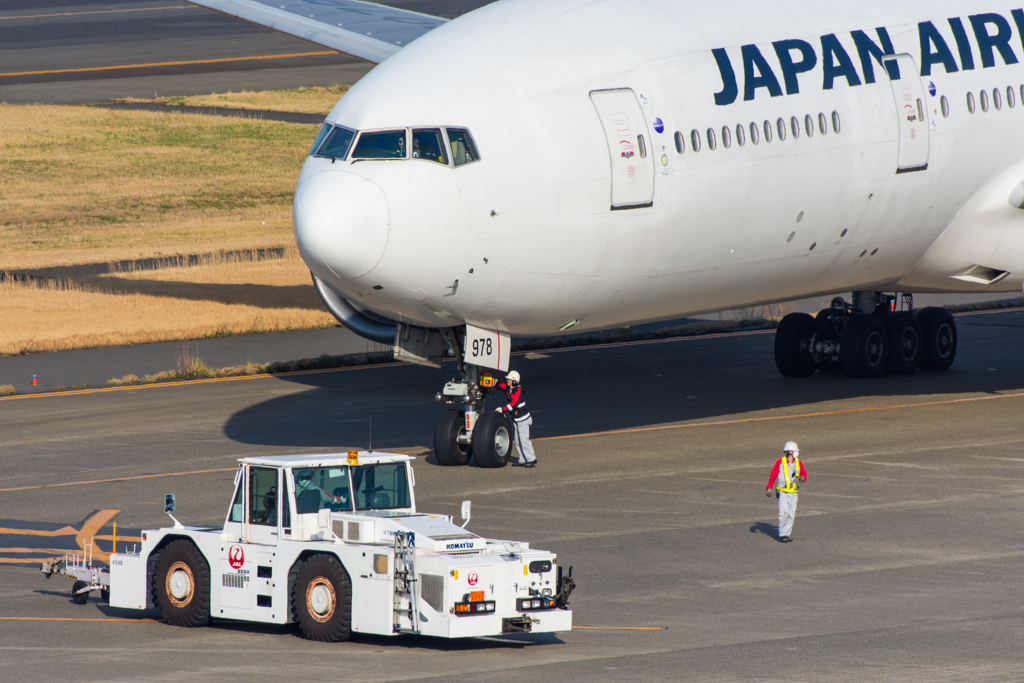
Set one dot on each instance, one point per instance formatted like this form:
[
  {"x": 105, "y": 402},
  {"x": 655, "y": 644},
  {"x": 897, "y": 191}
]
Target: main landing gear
[
  {"x": 470, "y": 431},
  {"x": 866, "y": 338}
]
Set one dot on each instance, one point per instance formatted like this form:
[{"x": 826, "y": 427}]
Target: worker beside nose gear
[
  {"x": 785, "y": 477},
  {"x": 515, "y": 410}
]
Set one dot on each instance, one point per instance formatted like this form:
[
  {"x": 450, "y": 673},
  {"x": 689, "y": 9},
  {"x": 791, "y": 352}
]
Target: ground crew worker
[
  {"x": 784, "y": 479},
  {"x": 516, "y": 411}
]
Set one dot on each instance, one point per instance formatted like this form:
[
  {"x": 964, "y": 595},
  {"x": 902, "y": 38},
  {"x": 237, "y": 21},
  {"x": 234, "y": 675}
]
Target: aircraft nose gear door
[
  {"x": 910, "y": 110},
  {"x": 629, "y": 144}
]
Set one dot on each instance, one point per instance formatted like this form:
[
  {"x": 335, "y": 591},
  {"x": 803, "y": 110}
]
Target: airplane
[{"x": 534, "y": 167}]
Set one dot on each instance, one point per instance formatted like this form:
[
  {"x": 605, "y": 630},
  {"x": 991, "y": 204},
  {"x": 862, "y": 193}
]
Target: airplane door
[
  {"x": 629, "y": 145},
  {"x": 910, "y": 104}
]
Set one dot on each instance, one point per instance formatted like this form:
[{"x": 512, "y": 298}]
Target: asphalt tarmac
[
  {"x": 653, "y": 463},
  {"x": 84, "y": 51}
]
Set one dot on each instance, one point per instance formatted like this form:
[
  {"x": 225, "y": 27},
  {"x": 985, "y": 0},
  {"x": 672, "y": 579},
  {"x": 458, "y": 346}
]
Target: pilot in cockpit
[{"x": 399, "y": 151}]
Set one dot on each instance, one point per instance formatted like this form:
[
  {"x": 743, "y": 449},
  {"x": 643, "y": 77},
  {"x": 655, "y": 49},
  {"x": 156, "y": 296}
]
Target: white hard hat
[
  {"x": 513, "y": 376},
  {"x": 791, "y": 446}
]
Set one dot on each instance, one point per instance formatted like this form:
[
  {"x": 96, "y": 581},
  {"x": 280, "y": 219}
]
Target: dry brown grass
[
  {"x": 316, "y": 100},
  {"x": 90, "y": 185},
  {"x": 223, "y": 295},
  {"x": 6, "y": 389}
]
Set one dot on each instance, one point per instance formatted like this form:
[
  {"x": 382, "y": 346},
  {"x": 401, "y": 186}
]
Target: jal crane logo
[
  {"x": 236, "y": 556},
  {"x": 473, "y": 578}
]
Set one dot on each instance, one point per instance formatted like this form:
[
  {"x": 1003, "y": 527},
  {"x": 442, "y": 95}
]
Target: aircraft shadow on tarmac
[{"x": 599, "y": 389}]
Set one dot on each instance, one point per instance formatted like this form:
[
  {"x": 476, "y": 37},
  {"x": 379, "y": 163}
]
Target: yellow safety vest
[{"x": 791, "y": 483}]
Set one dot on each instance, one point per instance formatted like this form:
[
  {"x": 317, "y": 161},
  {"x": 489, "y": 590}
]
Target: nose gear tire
[
  {"x": 322, "y": 599},
  {"x": 181, "y": 585},
  {"x": 448, "y": 450},
  {"x": 492, "y": 440},
  {"x": 792, "y": 345},
  {"x": 938, "y": 332}
]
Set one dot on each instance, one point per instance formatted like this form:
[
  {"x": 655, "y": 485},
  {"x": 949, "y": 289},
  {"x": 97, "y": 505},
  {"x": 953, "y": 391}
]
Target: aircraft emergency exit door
[
  {"x": 910, "y": 112},
  {"x": 629, "y": 146}
]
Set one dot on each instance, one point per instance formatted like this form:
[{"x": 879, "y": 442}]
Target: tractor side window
[
  {"x": 321, "y": 487},
  {"x": 381, "y": 144},
  {"x": 380, "y": 487},
  {"x": 238, "y": 505},
  {"x": 263, "y": 496},
  {"x": 428, "y": 144},
  {"x": 463, "y": 148}
]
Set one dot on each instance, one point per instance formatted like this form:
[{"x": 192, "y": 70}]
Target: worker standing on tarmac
[
  {"x": 784, "y": 479},
  {"x": 516, "y": 411}
]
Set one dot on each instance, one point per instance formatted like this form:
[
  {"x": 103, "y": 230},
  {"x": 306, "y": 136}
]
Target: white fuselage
[{"x": 529, "y": 230}]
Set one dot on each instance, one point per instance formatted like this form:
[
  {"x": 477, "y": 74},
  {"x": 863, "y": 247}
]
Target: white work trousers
[
  {"x": 787, "y": 513},
  {"x": 523, "y": 440}
]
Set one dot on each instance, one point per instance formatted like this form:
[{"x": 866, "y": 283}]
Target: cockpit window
[
  {"x": 380, "y": 487},
  {"x": 381, "y": 144},
  {"x": 324, "y": 130},
  {"x": 427, "y": 143},
  {"x": 463, "y": 149},
  {"x": 336, "y": 145}
]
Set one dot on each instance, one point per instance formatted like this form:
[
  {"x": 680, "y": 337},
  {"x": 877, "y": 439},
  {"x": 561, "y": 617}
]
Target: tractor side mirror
[
  {"x": 169, "y": 503},
  {"x": 465, "y": 512}
]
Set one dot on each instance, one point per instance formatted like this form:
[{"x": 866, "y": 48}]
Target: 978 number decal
[{"x": 482, "y": 347}]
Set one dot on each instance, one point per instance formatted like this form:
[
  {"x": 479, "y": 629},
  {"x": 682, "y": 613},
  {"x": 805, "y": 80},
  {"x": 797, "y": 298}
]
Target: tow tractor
[{"x": 335, "y": 544}]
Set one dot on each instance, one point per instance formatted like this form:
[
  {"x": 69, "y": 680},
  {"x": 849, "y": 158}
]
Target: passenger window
[
  {"x": 794, "y": 124},
  {"x": 427, "y": 143},
  {"x": 263, "y": 496},
  {"x": 835, "y": 122},
  {"x": 920, "y": 110},
  {"x": 767, "y": 131},
  {"x": 324, "y": 130},
  {"x": 983, "y": 96},
  {"x": 753, "y": 133},
  {"x": 680, "y": 143},
  {"x": 712, "y": 142},
  {"x": 781, "y": 126},
  {"x": 822, "y": 124},
  {"x": 944, "y": 104},
  {"x": 642, "y": 146},
  {"x": 695, "y": 139},
  {"x": 380, "y": 487},
  {"x": 726, "y": 137},
  {"x": 741, "y": 135},
  {"x": 463, "y": 149},
  {"x": 1011, "y": 99},
  {"x": 336, "y": 145},
  {"x": 970, "y": 101},
  {"x": 997, "y": 98}
]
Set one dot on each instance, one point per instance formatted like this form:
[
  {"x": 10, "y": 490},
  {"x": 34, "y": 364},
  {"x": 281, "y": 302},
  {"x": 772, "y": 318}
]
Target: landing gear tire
[
  {"x": 492, "y": 440},
  {"x": 76, "y": 597},
  {"x": 938, "y": 332},
  {"x": 449, "y": 451},
  {"x": 322, "y": 599},
  {"x": 903, "y": 332},
  {"x": 826, "y": 329},
  {"x": 181, "y": 585},
  {"x": 792, "y": 345},
  {"x": 105, "y": 595},
  {"x": 863, "y": 349}
]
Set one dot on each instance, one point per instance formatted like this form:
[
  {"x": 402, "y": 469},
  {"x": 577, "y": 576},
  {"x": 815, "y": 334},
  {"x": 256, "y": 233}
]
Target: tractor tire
[
  {"x": 448, "y": 450},
  {"x": 181, "y": 585},
  {"x": 76, "y": 597},
  {"x": 492, "y": 440},
  {"x": 322, "y": 599}
]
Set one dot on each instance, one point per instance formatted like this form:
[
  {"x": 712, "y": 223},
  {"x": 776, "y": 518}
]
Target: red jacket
[{"x": 778, "y": 466}]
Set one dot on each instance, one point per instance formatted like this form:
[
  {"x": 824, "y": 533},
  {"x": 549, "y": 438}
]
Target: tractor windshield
[{"x": 380, "y": 487}]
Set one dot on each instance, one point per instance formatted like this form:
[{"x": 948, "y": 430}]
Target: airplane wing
[{"x": 365, "y": 30}]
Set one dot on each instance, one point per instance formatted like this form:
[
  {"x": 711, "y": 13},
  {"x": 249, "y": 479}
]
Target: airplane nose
[{"x": 341, "y": 223}]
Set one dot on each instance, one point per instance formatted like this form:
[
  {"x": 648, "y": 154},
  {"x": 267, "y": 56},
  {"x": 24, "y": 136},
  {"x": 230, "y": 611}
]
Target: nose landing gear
[{"x": 866, "y": 338}]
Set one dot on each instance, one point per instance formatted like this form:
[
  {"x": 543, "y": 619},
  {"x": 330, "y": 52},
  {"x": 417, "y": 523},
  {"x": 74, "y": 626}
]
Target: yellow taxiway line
[
  {"x": 180, "y": 63},
  {"x": 105, "y": 11}
]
